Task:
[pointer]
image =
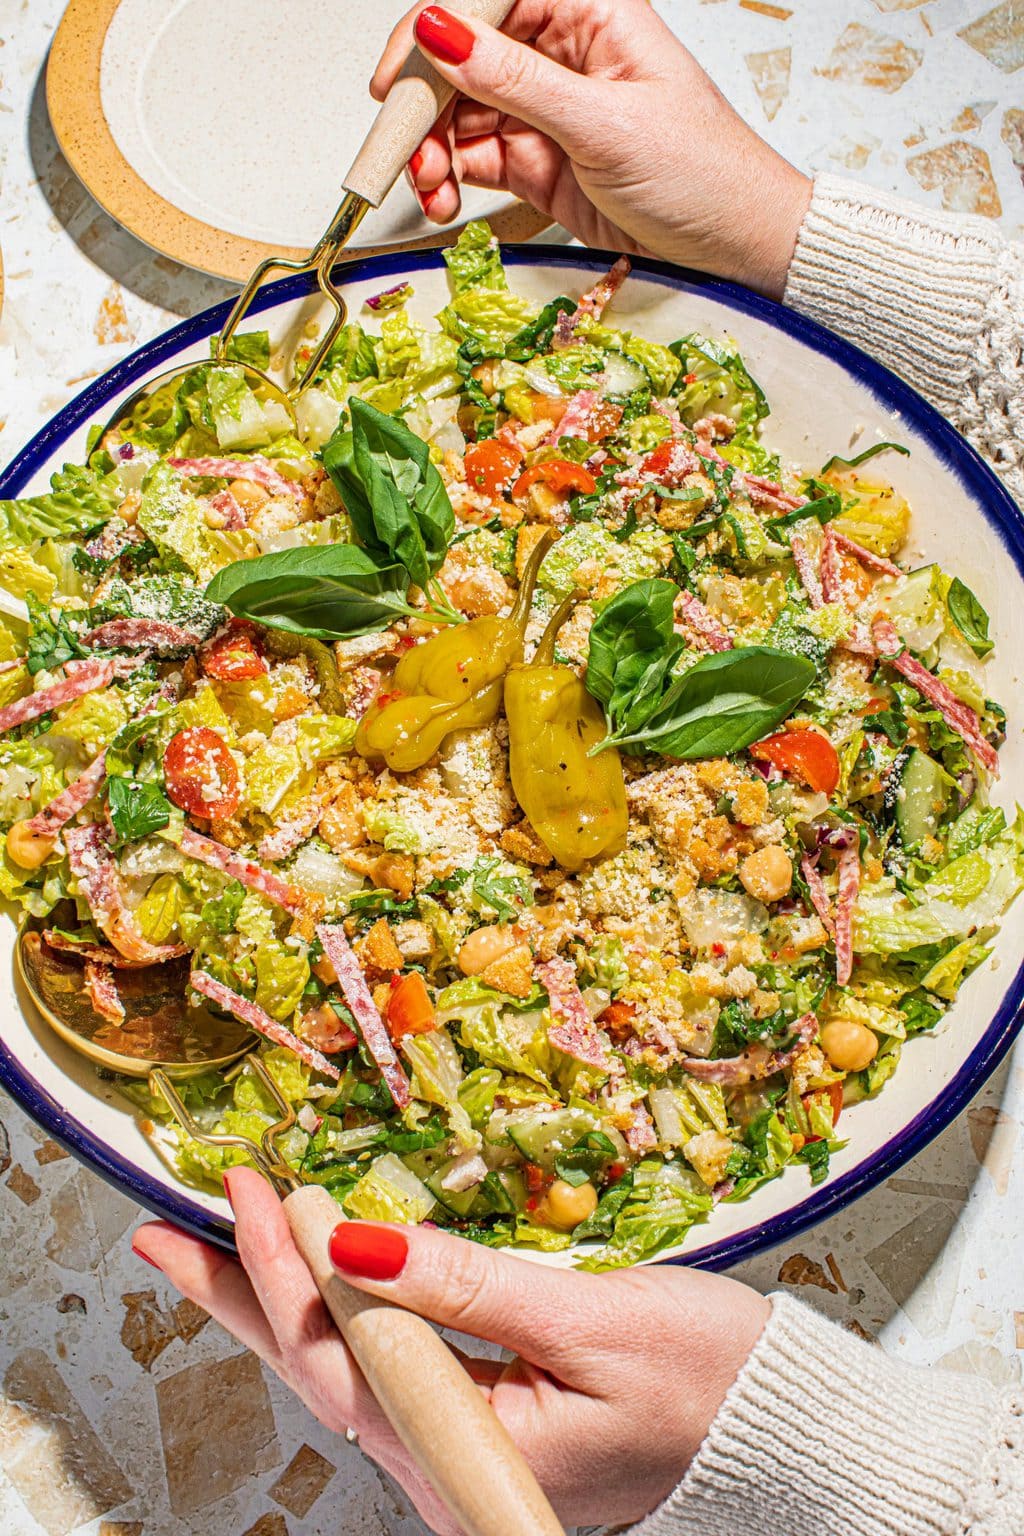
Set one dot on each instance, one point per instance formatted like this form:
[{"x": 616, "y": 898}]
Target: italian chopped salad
[{"x": 582, "y": 807}]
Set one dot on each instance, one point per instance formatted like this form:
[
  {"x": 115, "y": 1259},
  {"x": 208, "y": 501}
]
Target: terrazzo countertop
[{"x": 124, "y": 1410}]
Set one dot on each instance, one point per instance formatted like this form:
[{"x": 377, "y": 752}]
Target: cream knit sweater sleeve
[
  {"x": 938, "y": 297},
  {"x": 822, "y": 1435}
]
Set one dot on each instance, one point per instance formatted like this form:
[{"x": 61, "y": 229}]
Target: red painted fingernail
[
  {"x": 140, "y": 1255},
  {"x": 415, "y": 164},
  {"x": 227, "y": 1190},
  {"x": 373, "y": 1253},
  {"x": 444, "y": 34},
  {"x": 427, "y": 199}
]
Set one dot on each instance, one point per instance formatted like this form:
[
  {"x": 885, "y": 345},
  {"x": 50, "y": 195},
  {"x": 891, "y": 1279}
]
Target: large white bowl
[{"x": 825, "y": 395}]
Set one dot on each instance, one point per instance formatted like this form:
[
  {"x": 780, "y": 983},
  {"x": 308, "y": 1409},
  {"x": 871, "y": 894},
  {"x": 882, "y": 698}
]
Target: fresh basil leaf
[
  {"x": 602, "y": 1220},
  {"x": 51, "y": 641},
  {"x": 637, "y": 619},
  {"x": 136, "y": 808},
  {"x": 862, "y": 458},
  {"x": 590, "y": 1154},
  {"x": 722, "y": 703},
  {"x": 536, "y": 337},
  {"x": 969, "y": 616},
  {"x": 330, "y": 592},
  {"x": 393, "y": 493}
]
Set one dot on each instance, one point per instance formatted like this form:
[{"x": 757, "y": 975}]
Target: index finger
[{"x": 520, "y": 22}]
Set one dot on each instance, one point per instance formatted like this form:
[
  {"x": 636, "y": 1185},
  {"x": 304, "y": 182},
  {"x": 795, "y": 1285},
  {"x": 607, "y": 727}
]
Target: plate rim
[
  {"x": 75, "y": 105},
  {"x": 959, "y": 458}
]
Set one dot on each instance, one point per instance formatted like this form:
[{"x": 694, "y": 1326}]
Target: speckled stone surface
[{"x": 123, "y": 1410}]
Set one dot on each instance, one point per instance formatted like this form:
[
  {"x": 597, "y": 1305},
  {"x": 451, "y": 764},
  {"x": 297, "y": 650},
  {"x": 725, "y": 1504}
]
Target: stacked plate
[{"x": 218, "y": 131}]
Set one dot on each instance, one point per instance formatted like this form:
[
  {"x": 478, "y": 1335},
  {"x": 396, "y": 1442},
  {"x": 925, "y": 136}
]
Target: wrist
[{"x": 777, "y": 207}]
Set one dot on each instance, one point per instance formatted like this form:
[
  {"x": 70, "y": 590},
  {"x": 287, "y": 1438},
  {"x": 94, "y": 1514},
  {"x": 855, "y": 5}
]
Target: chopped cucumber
[
  {"x": 915, "y": 604},
  {"x": 463, "y": 1202},
  {"x": 542, "y": 1135},
  {"x": 921, "y": 797}
]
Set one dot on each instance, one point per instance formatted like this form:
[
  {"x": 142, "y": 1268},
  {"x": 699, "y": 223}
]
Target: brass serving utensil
[
  {"x": 435, "y": 1408},
  {"x": 415, "y": 101}
]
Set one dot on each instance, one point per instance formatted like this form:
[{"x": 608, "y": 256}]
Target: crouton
[
  {"x": 521, "y": 842},
  {"x": 511, "y": 972},
  {"x": 378, "y": 951}
]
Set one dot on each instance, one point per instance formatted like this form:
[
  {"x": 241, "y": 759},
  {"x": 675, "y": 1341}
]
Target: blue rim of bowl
[{"x": 956, "y": 454}]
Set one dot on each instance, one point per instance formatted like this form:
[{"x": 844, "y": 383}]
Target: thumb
[
  {"x": 554, "y": 1319},
  {"x": 494, "y": 69}
]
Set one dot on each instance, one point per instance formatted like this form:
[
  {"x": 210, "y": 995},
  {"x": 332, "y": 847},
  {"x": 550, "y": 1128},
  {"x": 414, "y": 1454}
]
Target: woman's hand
[
  {"x": 616, "y": 1377},
  {"x": 595, "y": 113}
]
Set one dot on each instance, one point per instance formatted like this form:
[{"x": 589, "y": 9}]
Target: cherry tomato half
[
  {"x": 490, "y": 466},
  {"x": 560, "y": 476},
  {"x": 233, "y": 656},
  {"x": 805, "y": 755},
  {"x": 666, "y": 464},
  {"x": 834, "y": 1094},
  {"x": 602, "y": 421},
  {"x": 410, "y": 1010},
  {"x": 200, "y": 772}
]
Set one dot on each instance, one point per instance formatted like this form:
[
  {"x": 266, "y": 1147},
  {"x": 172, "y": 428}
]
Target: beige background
[{"x": 124, "y": 1410}]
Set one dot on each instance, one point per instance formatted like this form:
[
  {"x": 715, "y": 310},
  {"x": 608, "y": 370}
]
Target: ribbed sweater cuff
[
  {"x": 823, "y": 1435},
  {"x": 910, "y": 285}
]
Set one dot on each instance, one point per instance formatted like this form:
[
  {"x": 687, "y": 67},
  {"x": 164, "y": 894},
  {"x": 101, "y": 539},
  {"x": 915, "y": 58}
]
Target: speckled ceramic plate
[
  {"x": 825, "y": 396},
  {"x": 218, "y": 131}
]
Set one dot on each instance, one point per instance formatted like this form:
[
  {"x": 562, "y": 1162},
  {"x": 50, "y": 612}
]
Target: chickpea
[
  {"x": 128, "y": 511},
  {"x": 29, "y": 849},
  {"x": 486, "y": 945},
  {"x": 486, "y": 375},
  {"x": 849, "y": 1046},
  {"x": 566, "y": 1205},
  {"x": 768, "y": 873},
  {"x": 250, "y": 496}
]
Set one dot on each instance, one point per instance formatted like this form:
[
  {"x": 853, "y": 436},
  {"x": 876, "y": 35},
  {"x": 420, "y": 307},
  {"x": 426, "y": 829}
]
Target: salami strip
[
  {"x": 849, "y": 885},
  {"x": 865, "y": 556},
  {"x": 195, "y": 846},
  {"x": 226, "y": 507},
  {"x": 699, "y": 618},
  {"x": 99, "y": 954},
  {"x": 576, "y": 1033},
  {"x": 831, "y": 581},
  {"x": 756, "y": 1062},
  {"x": 593, "y": 303},
  {"x": 960, "y": 717},
  {"x": 576, "y": 417},
  {"x": 805, "y": 570},
  {"x": 364, "y": 1010},
  {"x": 49, "y": 821},
  {"x": 640, "y": 1135},
  {"x": 103, "y": 994},
  {"x": 819, "y": 896},
  {"x": 260, "y": 471},
  {"x": 93, "y": 866},
  {"x": 133, "y": 634},
  {"x": 768, "y": 493},
  {"x": 262, "y": 1023},
  {"x": 85, "y": 678}
]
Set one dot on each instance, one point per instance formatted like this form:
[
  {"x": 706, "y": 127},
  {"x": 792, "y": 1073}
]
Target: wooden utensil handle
[
  {"x": 440, "y": 1414},
  {"x": 414, "y": 103}
]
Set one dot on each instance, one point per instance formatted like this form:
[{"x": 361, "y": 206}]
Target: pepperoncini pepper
[
  {"x": 576, "y": 804},
  {"x": 450, "y": 682}
]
